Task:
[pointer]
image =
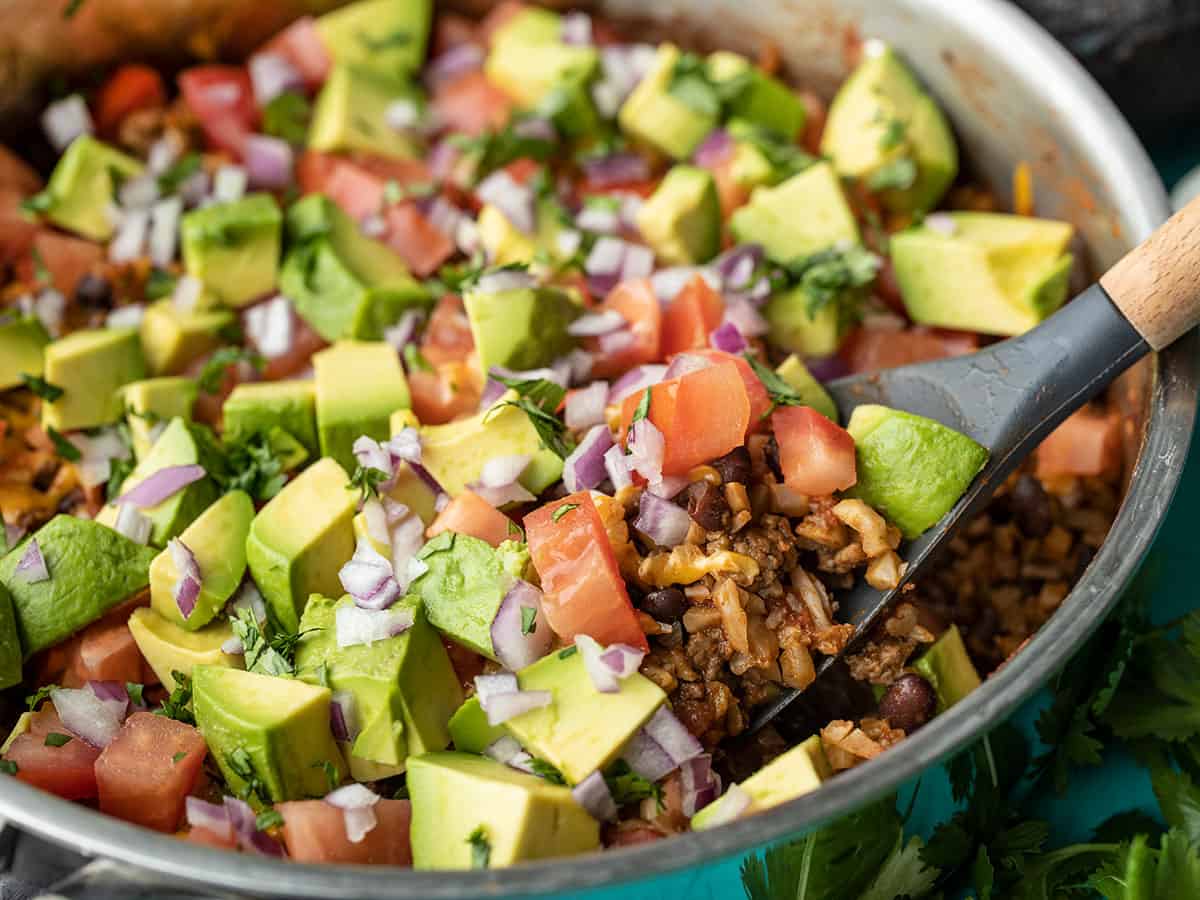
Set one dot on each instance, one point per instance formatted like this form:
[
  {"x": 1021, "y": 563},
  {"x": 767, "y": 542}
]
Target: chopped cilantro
[
  {"x": 177, "y": 758},
  {"x": 55, "y": 739},
  {"x": 267, "y": 655},
  {"x": 72, "y": 7},
  {"x": 780, "y": 392},
  {"x": 118, "y": 471},
  {"x": 398, "y": 38},
  {"x": 494, "y": 150},
  {"x": 367, "y": 480},
  {"x": 785, "y": 157},
  {"x": 268, "y": 818},
  {"x": 35, "y": 205},
  {"x": 252, "y": 464},
  {"x": 898, "y": 174},
  {"x": 179, "y": 172},
  {"x": 538, "y": 399},
  {"x": 241, "y": 765},
  {"x": 514, "y": 530},
  {"x": 642, "y": 410},
  {"x": 401, "y": 793},
  {"x": 41, "y": 274},
  {"x": 40, "y": 387},
  {"x": 627, "y": 786},
  {"x": 213, "y": 373},
  {"x": 323, "y": 675},
  {"x": 62, "y": 446},
  {"x": 835, "y": 275},
  {"x": 178, "y": 705},
  {"x": 568, "y": 652},
  {"x": 34, "y": 700},
  {"x": 286, "y": 117},
  {"x": 528, "y": 620},
  {"x": 562, "y": 511},
  {"x": 414, "y": 359},
  {"x": 332, "y": 773},
  {"x": 8, "y": 767},
  {"x": 691, "y": 85},
  {"x": 894, "y": 133},
  {"x": 481, "y": 849},
  {"x": 159, "y": 284},
  {"x": 136, "y": 693},
  {"x": 543, "y": 769}
]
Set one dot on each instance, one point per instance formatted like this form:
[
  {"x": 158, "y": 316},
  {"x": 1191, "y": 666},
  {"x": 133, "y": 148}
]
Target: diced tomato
[
  {"x": 702, "y": 415},
  {"x": 446, "y": 394},
  {"x": 447, "y": 336},
  {"x": 358, "y": 192},
  {"x": 305, "y": 342},
  {"x": 760, "y": 400},
  {"x": 814, "y": 122},
  {"x": 470, "y": 104},
  {"x": 315, "y": 831},
  {"x": 452, "y": 30},
  {"x": 301, "y": 45},
  {"x": 468, "y": 513},
  {"x": 222, "y": 99},
  {"x": 106, "y": 652},
  {"x": 403, "y": 171},
  {"x": 67, "y": 259},
  {"x": 147, "y": 771},
  {"x": 522, "y": 170},
  {"x": 131, "y": 88},
  {"x": 636, "y": 301},
  {"x": 584, "y": 591},
  {"x": 499, "y": 16},
  {"x": 68, "y": 771},
  {"x": 208, "y": 406},
  {"x": 16, "y": 231},
  {"x": 420, "y": 244},
  {"x": 731, "y": 193},
  {"x": 631, "y": 837},
  {"x": 313, "y": 169},
  {"x": 1088, "y": 443},
  {"x": 872, "y": 349},
  {"x": 815, "y": 454},
  {"x": 692, "y": 316},
  {"x": 17, "y": 175},
  {"x": 211, "y": 839}
]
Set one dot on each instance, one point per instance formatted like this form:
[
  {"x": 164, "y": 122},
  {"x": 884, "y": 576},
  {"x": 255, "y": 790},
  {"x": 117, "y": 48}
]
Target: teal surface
[{"x": 1095, "y": 793}]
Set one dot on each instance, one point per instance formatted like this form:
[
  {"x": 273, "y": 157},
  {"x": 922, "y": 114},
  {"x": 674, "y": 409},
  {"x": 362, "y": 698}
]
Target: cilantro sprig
[
  {"x": 481, "y": 848},
  {"x": 836, "y": 275},
  {"x": 539, "y": 399},
  {"x": 214, "y": 369},
  {"x": 780, "y": 392},
  {"x": 268, "y": 651},
  {"x": 40, "y": 387},
  {"x": 178, "y": 705}
]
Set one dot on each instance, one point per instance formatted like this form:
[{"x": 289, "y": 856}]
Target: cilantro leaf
[
  {"x": 72, "y": 8},
  {"x": 36, "y": 204},
  {"x": 538, "y": 399},
  {"x": 492, "y": 150},
  {"x": 366, "y": 480},
  {"x": 159, "y": 284},
  {"x": 54, "y": 739},
  {"x": 545, "y": 770},
  {"x": 785, "y": 157},
  {"x": 178, "y": 705},
  {"x": 333, "y": 774},
  {"x": 8, "y": 767},
  {"x": 481, "y": 849},
  {"x": 136, "y": 693},
  {"x": 838, "y": 274},
  {"x": 179, "y": 172},
  {"x": 692, "y": 86},
  {"x": 40, "y": 387},
  {"x": 286, "y": 117},
  {"x": 897, "y": 174},
  {"x": 214, "y": 370},
  {"x": 562, "y": 511},
  {"x": 902, "y": 874},
  {"x": 34, "y": 700},
  {"x": 242, "y": 765},
  {"x": 642, "y": 410},
  {"x": 274, "y": 655},
  {"x": 64, "y": 448},
  {"x": 177, "y": 758},
  {"x": 268, "y": 818},
  {"x": 627, "y": 786},
  {"x": 255, "y": 464},
  {"x": 528, "y": 620},
  {"x": 780, "y": 392}
]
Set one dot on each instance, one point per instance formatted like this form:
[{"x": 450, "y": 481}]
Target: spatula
[{"x": 1012, "y": 394}]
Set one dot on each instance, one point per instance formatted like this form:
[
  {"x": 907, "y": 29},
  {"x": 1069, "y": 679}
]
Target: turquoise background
[{"x": 1094, "y": 794}]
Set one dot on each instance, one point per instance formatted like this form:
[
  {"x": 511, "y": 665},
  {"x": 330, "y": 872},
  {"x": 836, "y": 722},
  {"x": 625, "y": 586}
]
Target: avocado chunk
[
  {"x": 23, "y": 340},
  {"x": 84, "y": 184},
  {"x": 404, "y": 687},
  {"x": 90, "y": 366},
  {"x": 994, "y": 273},
  {"x": 456, "y": 796},
  {"x": 882, "y": 116},
  {"x": 947, "y": 666},
  {"x": 470, "y": 730},
  {"x": 388, "y": 35},
  {"x": 150, "y": 404},
  {"x": 10, "y": 642},
  {"x": 176, "y": 446},
  {"x": 771, "y": 217},
  {"x": 658, "y": 118},
  {"x": 275, "y": 730},
  {"x": 233, "y": 248},
  {"x": 582, "y": 730},
  {"x": 343, "y": 283},
  {"x": 757, "y": 97},
  {"x": 528, "y": 59},
  {"x": 300, "y": 540},
  {"x": 506, "y": 244},
  {"x": 523, "y": 328},
  {"x": 92, "y": 569},
  {"x": 351, "y": 114},
  {"x": 465, "y": 584},
  {"x": 681, "y": 220},
  {"x": 454, "y": 453},
  {"x": 794, "y": 326},
  {"x": 18, "y": 729},
  {"x": 218, "y": 541},
  {"x": 172, "y": 340},
  {"x": 258, "y": 407},
  {"x": 168, "y": 648},
  {"x": 910, "y": 468},
  {"x": 812, "y": 392},
  {"x": 793, "y": 774},
  {"x": 358, "y": 387}
]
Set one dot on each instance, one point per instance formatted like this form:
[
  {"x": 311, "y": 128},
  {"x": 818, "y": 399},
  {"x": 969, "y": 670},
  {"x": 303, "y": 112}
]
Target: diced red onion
[
  {"x": 617, "y": 467},
  {"x": 130, "y": 239},
  {"x": 402, "y": 114},
  {"x": 616, "y": 168},
  {"x": 728, "y": 338},
  {"x": 31, "y": 567},
  {"x": 233, "y": 647},
  {"x": 523, "y": 762},
  {"x": 714, "y": 149},
  {"x": 132, "y": 524},
  {"x": 549, "y": 374},
  {"x": 503, "y": 749},
  {"x": 454, "y": 62},
  {"x": 194, "y": 188},
  {"x": 370, "y": 454},
  {"x": 248, "y": 597},
  {"x": 493, "y": 390},
  {"x": 66, "y": 119},
  {"x": 373, "y": 226},
  {"x": 270, "y": 326},
  {"x": 567, "y": 242},
  {"x": 357, "y": 805},
  {"x": 355, "y": 626},
  {"x": 138, "y": 192},
  {"x": 593, "y": 795},
  {"x": 639, "y": 263},
  {"x": 744, "y": 316},
  {"x": 343, "y": 715},
  {"x": 700, "y": 784},
  {"x": 604, "y": 679},
  {"x": 504, "y": 280},
  {"x": 501, "y": 470},
  {"x": 12, "y": 534},
  {"x": 687, "y": 363},
  {"x": 489, "y": 686},
  {"x": 212, "y": 817},
  {"x": 49, "y": 306},
  {"x": 164, "y": 230},
  {"x": 622, "y": 659},
  {"x": 623, "y": 66},
  {"x": 187, "y": 587},
  {"x": 631, "y": 205},
  {"x": 598, "y": 220},
  {"x": 667, "y": 486},
  {"x": 162, "y": 155},
  {"x": 597, "y": 323},
  {"x": 187, "y": 293},
  {"x": 368, "y": 578},
  {"x": 85, "y": 715},
  {"x": 667, "y": 283},
  {"x": 160, "y": 485},
  {"x": 406, "y": 534},
  {"x": 268, "y": 161},
  {"x": 503, "y": 495},
  {"x": 672, "y": 736},
  {"x": 96, "y": 453},
  {"x": 245, "y": 828},
  {"x": 229, "y": 184},
  {"x": 126, "y": 316},
  {"x": 646, "y": 449},
  {"x": 943, "y": 223},
  {"x": 514, "y": 200},
  {"x": 222, "y": 93},
  {"x": 827, "y": 368},
  {"x": 405, "y": 445},
  {"x": 636, "y": 380},
  {"x": 445, "y": 216},
  {"x": 502, "y": 707},
  {"x": 604, "y": 263},
  {"x": 616, "y": 341},
  {"x": 442, "y": 159},
  {"x": 662, "y": 521},
  {"x": 584, "y": 469},
  {"x": 272, "y": 74},
  {"x": 113, "y": 693},
  {"x": 404, "y": 332},
  {"x": 535, "y": 128},
  {"x": 734, "y": 803},
  {"x": 647, "y": 758},
  {"x": 513, "y": 648},
  {"x": 738, "y": 265},
  {"x": 585, "y": 407},
  {"x": 576, "y": 29}
]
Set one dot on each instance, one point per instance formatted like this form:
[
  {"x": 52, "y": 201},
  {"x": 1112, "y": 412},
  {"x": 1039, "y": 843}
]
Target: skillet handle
[{"x": 1157, "y": 284}]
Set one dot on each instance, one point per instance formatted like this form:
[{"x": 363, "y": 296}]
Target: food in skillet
[{"x": 422, "y": 458}]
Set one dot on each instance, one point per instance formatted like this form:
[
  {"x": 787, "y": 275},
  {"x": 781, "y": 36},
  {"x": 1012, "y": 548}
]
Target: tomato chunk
[
  {"x": 873, "y": 349},
  {"x": 470, "y": 104},
  {"x": 68, "y": 771},
  {"x": 146, "y": 773},
  {"x": 423, "y": 246},
  {"x": 131, "y": 88},
  {"x": 16, "y": 231},
  {"x": 468, "y": 513},
  {"x": 816, "y": 455},
  {"x": 17, "y": 175},
  {"x": 66, "y": 258},
  {"x": 301, "y": 45},
  {"x": 692, "y": 316},
  {"x": 444, "y": 395},
  {"x": 222, "y": 99},
  {"x": 447, "y": 336},
  {"x": 1088, "y": 443},
  {"x": 636, "y": 301},
  {"x": 315, "y": 831},
  {"x": 760, "y": 400},
  {"x": 106, "y": 651},
  {"x": 584, "y": 590},
  {"x": 305, "y": 342}
]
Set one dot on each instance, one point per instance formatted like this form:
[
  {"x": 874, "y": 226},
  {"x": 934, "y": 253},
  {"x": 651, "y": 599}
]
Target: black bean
[
  {"x": 771, "y": 455},
  {"x": 94, "y": 292},
  {"x": 665, "y": 605},
  {"x": 908, "y": 703},
  {"x": 1031, "y": 507},
  {"x": 706, "y": 505},
  {"x": 734, "y": 466}
]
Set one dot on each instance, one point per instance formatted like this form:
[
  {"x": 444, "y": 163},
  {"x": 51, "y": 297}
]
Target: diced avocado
[
  {"x": 947, "y": 666},
  {"x": 654, "y": 116},
  {"x": 414, "y": 492},
  {"x": 880, "y": 115},
  {"x": 351, "y": 114},
  {"x": 90, "y": 366},
  {"x": 404, "y": 687},
  {"x": 10, "y": 642},
  {"x": 469, "y": 728},
  {"x": 681, "y": 220},
  {"x": 172, "y": 340},
  {"x": 994, "y": 273},
  {"x": 176, "y": 446},
  {"x": 218, "y": 541},
  {"x": 387, "y": 35},
  {"x": 278, "y": 728},
  {"x": 523, "y": 328},
  {"x": 797, "y": 772},
  {"x": 83, "y": 187},
  {"x": 750, "y": 167},
  {"x": 812, "y": 392},
  {"x": 506, "y": 244},
  {"x": 757, "y": 97},
  {"x": 465, "y": 585},
  {"x": 454, "y": 453},
  {"x": 803, "y": 215},
  {"x": 233, "y": 248},
  {"x": 358, "y": 387},
  {"x": 582, "y": 730},
  {"x": 168, "y": 648},
  {"x": 257, "y": 408},
  {"x": 300, "y": 540},
  {"x": 156, "y": 401},
  {"x": 794, "y": 327},
  {"x": 92, "y": 569},
  {"x": 910, "y": 468},
  {"x": 520, "y": 817},
  {"x": 22, "y": 342},
  {"x": 528, "y": 58},
  {"x": 569, "y": 107},
  {"x": 343, "y": 283},
  {"x": 18, "y": 729}
]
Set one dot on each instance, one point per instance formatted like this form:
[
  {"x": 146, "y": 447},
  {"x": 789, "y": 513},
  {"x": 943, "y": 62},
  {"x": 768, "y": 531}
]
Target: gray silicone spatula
[{"x": 1011, "y": 395}]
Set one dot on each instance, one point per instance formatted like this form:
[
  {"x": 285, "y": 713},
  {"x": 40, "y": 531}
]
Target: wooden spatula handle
[{"x": 1157, "y": 284}]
